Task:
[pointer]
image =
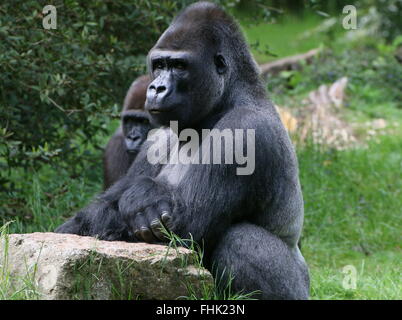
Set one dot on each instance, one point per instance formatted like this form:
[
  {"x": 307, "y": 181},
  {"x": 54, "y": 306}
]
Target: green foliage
[
  {"x": 385, "y": 15},
  {"x": 374, "y": 76},
  {"x": 390, "y": 18},
  {"x": 60, "y": 87}
]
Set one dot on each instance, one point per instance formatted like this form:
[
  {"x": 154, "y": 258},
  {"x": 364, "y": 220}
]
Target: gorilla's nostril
[
  {"x": 160, "y": 89},
  {"x": 134, "y": 138}
]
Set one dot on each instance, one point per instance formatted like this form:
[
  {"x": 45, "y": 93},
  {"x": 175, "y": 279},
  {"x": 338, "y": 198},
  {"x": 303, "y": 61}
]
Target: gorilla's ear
[{"x": 220, "y": 63}]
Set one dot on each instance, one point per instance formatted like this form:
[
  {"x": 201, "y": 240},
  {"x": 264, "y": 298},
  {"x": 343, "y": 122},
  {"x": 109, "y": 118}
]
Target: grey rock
[{"x": 66, "y": 266}]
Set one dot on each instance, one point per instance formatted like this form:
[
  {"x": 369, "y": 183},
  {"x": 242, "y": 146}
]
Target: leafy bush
[
  {"x": 390, "y": 17},
  {"x": 60, "y": 87}
]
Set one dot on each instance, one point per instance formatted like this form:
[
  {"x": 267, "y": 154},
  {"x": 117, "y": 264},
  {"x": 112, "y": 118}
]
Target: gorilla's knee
[{"x": 253, "y": 260}]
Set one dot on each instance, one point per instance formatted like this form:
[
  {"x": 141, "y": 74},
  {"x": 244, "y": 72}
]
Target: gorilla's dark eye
[
  {"x": 179, "y": 65},
  {"x": 158, "y": 64},
  {"x": 143, "y": 121}
]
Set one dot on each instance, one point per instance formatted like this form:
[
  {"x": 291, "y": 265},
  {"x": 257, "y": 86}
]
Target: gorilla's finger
[
  {"x": 167, "y": 220},
  {"x": 137, "y": 234},
  {"x": 166, "y": 214},
  {"x": 142, "y": 228},
  {"x": 136, "y": 222},
  {"x": 147, "y": 235},
  {"x": 155, "y": 223},
  {"x": 156, "y": 227}
]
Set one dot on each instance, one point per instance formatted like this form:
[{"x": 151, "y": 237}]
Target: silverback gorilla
[
  {"x": 204, "y": 77},
  {"x": 126, "y": 142}
]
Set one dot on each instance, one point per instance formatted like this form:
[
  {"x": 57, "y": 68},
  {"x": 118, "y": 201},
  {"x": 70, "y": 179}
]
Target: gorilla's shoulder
[{"x": 252, "y": 117}]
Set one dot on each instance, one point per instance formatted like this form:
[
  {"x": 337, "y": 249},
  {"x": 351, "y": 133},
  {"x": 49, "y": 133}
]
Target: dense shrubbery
[
  {"x": 59, "y": 87},
  {"x": 390, "y": 18}
]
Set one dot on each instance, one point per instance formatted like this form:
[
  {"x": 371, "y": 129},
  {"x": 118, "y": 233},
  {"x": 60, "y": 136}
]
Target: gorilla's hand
[
  {"x": 147, "y": 225},
  {"x": 146, "y": 207}
]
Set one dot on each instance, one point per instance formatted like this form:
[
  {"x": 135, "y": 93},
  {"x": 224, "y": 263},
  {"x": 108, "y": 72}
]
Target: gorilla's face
[
  {"x": 135, "y": 126},
  {"x": 186, "y": 85}
]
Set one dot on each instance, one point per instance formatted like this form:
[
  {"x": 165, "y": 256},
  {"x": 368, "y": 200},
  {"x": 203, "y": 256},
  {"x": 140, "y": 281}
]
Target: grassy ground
[
  {"x": 353, "y": 200},
  {"x": 289, "y": 35},
  {"x": 353, "y": 217}
]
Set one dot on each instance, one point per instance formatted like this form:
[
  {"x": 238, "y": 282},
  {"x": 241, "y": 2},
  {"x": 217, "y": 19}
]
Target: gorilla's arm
[
  {"x": 102, "y": 217},
  {"x": 201, "y": 199}
]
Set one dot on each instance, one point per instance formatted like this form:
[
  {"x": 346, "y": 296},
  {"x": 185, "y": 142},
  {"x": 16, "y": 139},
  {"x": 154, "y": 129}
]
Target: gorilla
[
  {"x": 204, "y": 77},
  {"x": 125, "y": 144}
]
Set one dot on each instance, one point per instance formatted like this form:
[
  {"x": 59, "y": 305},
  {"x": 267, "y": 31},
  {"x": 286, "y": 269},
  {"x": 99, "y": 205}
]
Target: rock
[
  {"x": 73, "y": 267},
  {"x": 378, "y": 124},
  {"x": 336, "y": 92},
  {"x": 320, "y": 117}
]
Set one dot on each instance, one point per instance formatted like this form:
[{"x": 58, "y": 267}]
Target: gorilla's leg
[{"x": 260, "y": 261}]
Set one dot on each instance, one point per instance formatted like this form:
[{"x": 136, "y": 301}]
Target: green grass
[
  {"x": 353, "y": 216},
  {"x": 288, "y": 36},
  {"x": 45, "y": 198},
  {"x": 25, "y": 289}
]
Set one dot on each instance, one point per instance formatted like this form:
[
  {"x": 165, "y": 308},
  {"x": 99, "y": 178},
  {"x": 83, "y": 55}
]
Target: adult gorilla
[{"x": 205, "y": 78}]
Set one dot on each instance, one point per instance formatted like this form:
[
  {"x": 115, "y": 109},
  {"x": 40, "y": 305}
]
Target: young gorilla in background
[
  {"x": 204, "y": 77},
  {"x": 126, "y": 142}
]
